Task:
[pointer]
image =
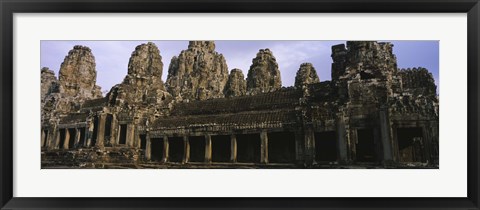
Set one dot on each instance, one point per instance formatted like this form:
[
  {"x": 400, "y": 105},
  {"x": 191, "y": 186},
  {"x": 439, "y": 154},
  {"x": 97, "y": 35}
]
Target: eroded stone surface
[
  {"x": 143, "y": 84},
  {"x": 369, "y": 113},
  {"x": 264, "y": 75},
  {"x": 78, "y": 75},
  {"x": 236, "y": 85},
  {"x": 419, "y": 81},
  {"x": 198, "y": 73},
  {"x": 49, "y": 83},
  {"x": 306, "y": 75}
]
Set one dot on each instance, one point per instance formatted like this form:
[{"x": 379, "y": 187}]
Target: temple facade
[{"x": 369, "y": 115}]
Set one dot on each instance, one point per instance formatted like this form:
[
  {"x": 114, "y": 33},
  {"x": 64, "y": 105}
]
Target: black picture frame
[{"x": 10, "y": 7}]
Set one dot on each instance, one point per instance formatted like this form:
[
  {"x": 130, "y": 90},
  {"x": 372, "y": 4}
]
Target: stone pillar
[
  {"x": 264, "y": 147},
  {"x": 50, "y": 137},
  {"x": 342, "y": 140},
  {"x": 114, "y": 130},
  {"x": 385, "y": 136},
  {"x": 233, "y": 145},
  {"x": 208, "y": 148},
  {"x": 101, "y": 130},
  {"x": 77, "y": 137},
  {"x": 165, "y": 149},
  {"x": 42, "y": 140},
  {"x": 148, "y": 147},
  {"x": 309, "y": 145},
  {"x": 89, "y": 133},
  {"x": 138, "y": 141},
  {"x": 67, "y": 139},
  {"x": 186, "y": 145},
  {"x": 130, "y": 135},
  {"x": 57, "y": 140},
  {"x": 427, "y": 144}
]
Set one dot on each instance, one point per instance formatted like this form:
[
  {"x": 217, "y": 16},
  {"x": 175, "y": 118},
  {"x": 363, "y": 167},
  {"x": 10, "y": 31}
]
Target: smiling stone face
[
  {"x": 198, "y": 73},
  {"x": 264, "y": 75}
]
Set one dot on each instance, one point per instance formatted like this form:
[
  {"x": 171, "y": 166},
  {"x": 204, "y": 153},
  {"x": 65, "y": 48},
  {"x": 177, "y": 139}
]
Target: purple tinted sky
[{"x": 112, "y": 56}]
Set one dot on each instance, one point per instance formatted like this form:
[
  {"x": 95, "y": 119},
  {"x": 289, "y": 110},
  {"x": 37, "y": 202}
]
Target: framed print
[{"x": 239, "y": 105}]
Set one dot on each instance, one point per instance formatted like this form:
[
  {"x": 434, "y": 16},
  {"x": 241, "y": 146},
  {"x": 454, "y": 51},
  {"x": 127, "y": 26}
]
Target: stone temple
[{"x": 369, "y": 115}]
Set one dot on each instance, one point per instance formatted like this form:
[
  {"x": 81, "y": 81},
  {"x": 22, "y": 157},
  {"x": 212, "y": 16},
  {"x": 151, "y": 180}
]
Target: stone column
[
  {"x": 165, "y": 149},
  {"x": 130, "y": 134},
  {"x": 342, "y": 141},
  {"x": 114, "y": 130},
  {"x": 148, "y": 147},
  {"x": 208, "y": 148},
  {"x": 309, "y": 145},
  {"x": 50, "y": 139},
  {"x": 57, "y": 139},
  {"x": 77, "y": 137},
  {"x": 138, "y": 140},
  {"x": 233, "y": 145},
  {"x": 385, "y": 136},
  {"x": 264, "y": 147},
  {"x": 89, "y": 133},
  {"x": 101, "y": 130},
  {"x": 186, "y": 145},
  {"x": 67, "y": 139},
  {"x": 42, "y": 140}
]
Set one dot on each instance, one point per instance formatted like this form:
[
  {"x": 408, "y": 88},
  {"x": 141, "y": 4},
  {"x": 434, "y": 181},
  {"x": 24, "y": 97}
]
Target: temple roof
[
  {"x": 283, "y": 98},
  {"x": 231, "y": 119}
]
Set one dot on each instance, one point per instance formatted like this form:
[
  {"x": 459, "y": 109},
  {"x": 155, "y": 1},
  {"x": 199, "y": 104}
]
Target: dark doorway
[
  {"x": 95, "y": 131},
  {"x": 281, "y": 147},
  {"x": 176, "y": 149},
  {"x": 410, "y": 144},
  {"x": 248, "y": 148},
  {"x": 365, "y": 145},
  {"x": 197, "y": 148},
  {"x": 81, "y": 142},
  {"x": 156, "y": 148},
  {"x": 221, "y": 148},
  {"x": 62, "y": 139},
  {"x": 143, "y": 141},
  {"x": 325, "y": 146},
  {"x": 123, "y": 134},
  {"x": 108, "y": 127},
  {"x": 71, "y": 139},
  {"x": 45, "y": 138}
]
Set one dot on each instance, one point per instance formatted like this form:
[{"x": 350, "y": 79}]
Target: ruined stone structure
[
  {"x": 264, "y": 75},
  {"x": 198, "y": 73},
  {"x": 370, "y": 115}
]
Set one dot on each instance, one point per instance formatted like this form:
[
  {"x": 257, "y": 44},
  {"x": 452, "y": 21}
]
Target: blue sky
[{"x": 112, "y": 56}]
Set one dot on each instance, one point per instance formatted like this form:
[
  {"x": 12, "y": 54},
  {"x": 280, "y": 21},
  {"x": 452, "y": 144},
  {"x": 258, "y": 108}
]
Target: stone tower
[
  {"x": 264, "y": 75},
  {"x": 198, "y": 73},
  {"x": 236, "y": 85},
  {"x": 78, "y": 75},
  {"x": 306, "y": 75}
]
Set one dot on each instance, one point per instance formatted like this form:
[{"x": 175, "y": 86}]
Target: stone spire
[
  {"x": 263, "y": 75},
  {"x": 363, "y": 59},
  {"x": 198, "y": 73},
  {"x": 78, "y": 75},
  {"x": 306, "y": 75},
  {"x": 236, "y": 84},
  {"x": 143, "y": 83},
  {"x": 49, "y": 83}
]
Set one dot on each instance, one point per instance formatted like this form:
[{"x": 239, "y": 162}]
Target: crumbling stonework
[
  {"x": 49, "y": 83},
  {"x": 236, "y": 84},
  {"x": 198, "y": 73},
  {"x": 264, "y": 75},
  {"x": 370, "y": 115},
  {"x": 143, "y": 85},
  {"x": 306, "y": 75},
  {"x": 419, "y": 80},
  {"x": 78, "y": 75}
]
